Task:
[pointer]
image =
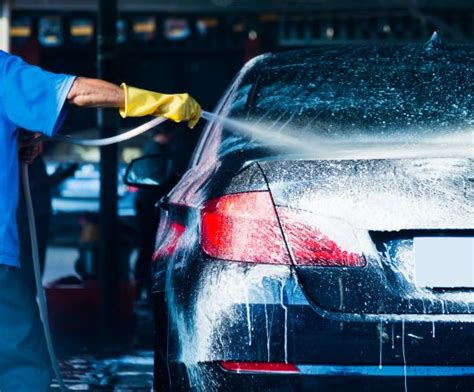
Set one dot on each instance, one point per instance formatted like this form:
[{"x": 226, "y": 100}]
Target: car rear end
[{"x": 343, "y": 258}]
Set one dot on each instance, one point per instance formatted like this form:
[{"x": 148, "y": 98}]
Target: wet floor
[
  {"x": 123, "y": 364},
  {"x": 88, "y": 364},
  {"x": 108, "y": 371}
]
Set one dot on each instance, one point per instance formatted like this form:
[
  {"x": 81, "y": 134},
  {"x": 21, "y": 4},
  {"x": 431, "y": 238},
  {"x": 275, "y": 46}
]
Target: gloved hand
[{"x": 176, "y": 107}]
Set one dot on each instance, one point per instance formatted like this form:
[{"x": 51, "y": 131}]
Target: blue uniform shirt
[{"x": 33, "y": 99}]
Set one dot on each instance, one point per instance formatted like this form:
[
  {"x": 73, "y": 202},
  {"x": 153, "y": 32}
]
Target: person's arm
[
  {"x": 95, "y": 93},
  {"x": 134, "y": 102},
  {"x": 34, "y": 99}
]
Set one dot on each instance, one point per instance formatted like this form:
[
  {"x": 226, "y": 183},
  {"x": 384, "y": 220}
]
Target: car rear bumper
[
  {"x": 260, "y": 313},
  {"x": 212, "y": 377},
  {"x": 386, "y": 371}
]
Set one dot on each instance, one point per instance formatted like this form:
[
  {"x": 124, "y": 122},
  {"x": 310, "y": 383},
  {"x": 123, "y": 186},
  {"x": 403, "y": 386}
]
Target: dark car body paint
[{"x": 295, "y": 314}]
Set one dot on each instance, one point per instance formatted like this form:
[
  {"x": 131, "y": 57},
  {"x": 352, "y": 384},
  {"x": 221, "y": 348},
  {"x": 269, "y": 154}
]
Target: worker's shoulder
[{"x": 9, "y": 63}]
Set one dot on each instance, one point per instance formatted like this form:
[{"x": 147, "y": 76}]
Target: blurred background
[{"x": 196, "y": 46}]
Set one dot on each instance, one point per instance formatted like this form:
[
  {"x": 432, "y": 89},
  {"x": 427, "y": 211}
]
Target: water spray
[{"x": 304, "y": 143}]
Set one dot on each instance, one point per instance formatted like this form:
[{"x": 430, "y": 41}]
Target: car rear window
[{"x": 363, "y": 95}]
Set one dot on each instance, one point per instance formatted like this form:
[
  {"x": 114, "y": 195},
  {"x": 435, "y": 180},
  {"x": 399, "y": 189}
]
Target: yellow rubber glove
[{"x": 176, "y": 107}]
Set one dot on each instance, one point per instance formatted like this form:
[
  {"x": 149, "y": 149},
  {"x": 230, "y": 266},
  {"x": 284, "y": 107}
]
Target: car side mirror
[{"x": 152, "y": 170}]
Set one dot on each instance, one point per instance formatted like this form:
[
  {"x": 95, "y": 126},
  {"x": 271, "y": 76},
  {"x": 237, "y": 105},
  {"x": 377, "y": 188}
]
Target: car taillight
[
  {"x": 173, "y": 233},
  {"x": 245, "y": 227},
  {"x": 335, "y": 246},
  {"x": 259, "y": 367}
]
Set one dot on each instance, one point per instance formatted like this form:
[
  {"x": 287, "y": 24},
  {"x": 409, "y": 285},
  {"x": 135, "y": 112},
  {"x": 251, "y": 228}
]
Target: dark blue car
[{"x": 322, "y": 238}]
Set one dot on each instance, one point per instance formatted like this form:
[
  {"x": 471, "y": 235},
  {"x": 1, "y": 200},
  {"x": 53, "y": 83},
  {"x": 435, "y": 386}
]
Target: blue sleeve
[{"x": 32, "y": 98}]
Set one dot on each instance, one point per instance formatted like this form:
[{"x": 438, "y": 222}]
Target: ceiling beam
[{"x": 245, "y": 5}]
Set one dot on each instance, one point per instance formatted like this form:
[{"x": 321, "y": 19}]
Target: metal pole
[
  {"x": 108, "y": 124},
  {"x": 5, "y": 25}
]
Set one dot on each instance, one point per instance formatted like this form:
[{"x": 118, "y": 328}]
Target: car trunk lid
[{"x": 374, "y": 214}]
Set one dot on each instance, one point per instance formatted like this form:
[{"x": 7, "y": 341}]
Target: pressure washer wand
[{"x": 111, "y": 140}]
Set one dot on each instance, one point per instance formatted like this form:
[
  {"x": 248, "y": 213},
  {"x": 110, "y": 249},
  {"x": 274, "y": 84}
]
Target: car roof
[{"x": 367, "y": 54}]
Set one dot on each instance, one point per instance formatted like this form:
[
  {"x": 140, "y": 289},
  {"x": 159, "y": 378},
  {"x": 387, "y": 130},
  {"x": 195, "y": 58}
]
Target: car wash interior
[{"x": 314, "y": 231}]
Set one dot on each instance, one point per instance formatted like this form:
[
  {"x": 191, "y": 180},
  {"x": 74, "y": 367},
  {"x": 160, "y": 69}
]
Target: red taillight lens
[
  {"x": 259, "y": 367},
  {"x": 243, "y": 227},
  {"x": 168, "y": 245},
  {"x": 313, "y": 247}
]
